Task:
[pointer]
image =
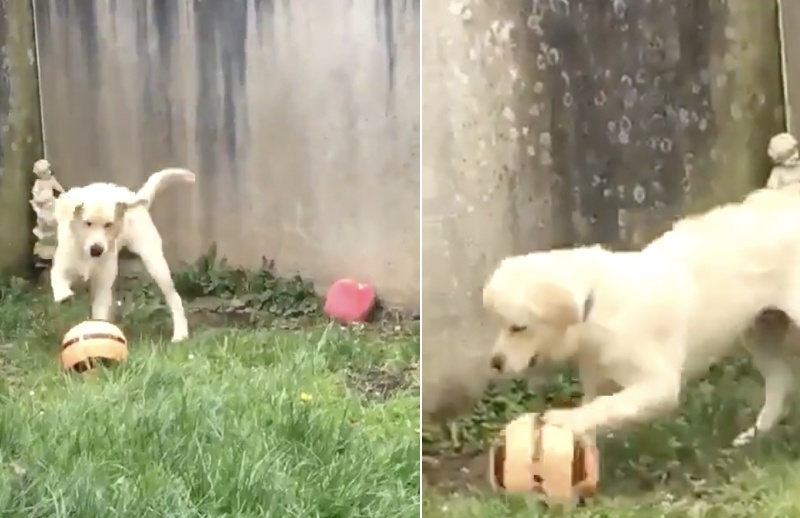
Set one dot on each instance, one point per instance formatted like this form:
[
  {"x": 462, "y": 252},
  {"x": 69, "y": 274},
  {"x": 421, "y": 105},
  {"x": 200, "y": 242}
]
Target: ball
[
  {"x": 92, "y": 343},
  {"x": 534, "y": 457}
]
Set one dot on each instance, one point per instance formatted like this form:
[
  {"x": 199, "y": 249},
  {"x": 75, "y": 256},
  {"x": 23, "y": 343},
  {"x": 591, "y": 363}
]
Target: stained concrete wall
[
  {"x": 20, "y": 134},
  {"x": 300, "y": 119},
  {"x": 573, "y": 122},
  {"x": 790, "y": 47}
]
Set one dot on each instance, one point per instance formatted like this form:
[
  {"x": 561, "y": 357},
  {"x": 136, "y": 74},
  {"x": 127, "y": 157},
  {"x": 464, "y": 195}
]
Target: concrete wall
[
  {"x": 790, "y": 50},
  {"x": 300, "y": 118},
  {"x": 20, "y": 134},
  {"x": 572, "y": 122}
]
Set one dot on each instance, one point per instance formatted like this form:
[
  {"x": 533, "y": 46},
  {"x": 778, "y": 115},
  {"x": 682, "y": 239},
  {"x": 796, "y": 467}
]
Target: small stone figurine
[
  {"x": 783, "y": 152},
  {"x": 43, "y": 202}
]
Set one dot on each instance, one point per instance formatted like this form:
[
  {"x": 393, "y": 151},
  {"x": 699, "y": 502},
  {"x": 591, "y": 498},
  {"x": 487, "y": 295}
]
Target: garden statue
[
  {"x": 43, "y": 202},
  {"x": 783, "y": 152}
]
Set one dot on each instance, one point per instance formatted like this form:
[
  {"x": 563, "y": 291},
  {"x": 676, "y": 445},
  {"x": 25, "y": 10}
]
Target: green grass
[
  {"x": 680, "y": 466},
  {"x": 234, "y": 422}
]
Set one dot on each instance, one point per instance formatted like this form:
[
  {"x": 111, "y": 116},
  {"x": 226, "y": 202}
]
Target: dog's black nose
[
  {"x": 96, "y": 250},
  {"x": 498, "y": 361}
]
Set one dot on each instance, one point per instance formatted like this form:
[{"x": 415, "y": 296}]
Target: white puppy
[
  {"x": 620, "y": 317},
  {"x": 94, "y": 223},
  {"x": 638, "y": 324}
]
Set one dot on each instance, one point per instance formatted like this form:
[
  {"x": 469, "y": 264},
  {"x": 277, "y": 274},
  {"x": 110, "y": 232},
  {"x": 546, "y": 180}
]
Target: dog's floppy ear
[
  {"x": 138, "y": 203},
  {"x": 65, "y": 210},
  {"x": 119, "y": 210},
  {"x": 122, "y": 207},
  {"x": 557, "y": 306}
]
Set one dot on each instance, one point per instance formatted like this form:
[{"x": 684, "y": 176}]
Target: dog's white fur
[
  {"x": 94, "y": 223},
  {"x": 657, "y": 317}
]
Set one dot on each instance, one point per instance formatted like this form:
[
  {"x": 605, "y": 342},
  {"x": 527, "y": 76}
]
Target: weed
[{"x": 262, "y": 289}]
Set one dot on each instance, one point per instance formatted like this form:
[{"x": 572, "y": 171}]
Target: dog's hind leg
[
  {"x": 766, "y": 347},
  {"x": 156, "y": 265}
]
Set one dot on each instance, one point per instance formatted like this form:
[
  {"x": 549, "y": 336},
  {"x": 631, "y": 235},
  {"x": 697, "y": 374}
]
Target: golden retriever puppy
[
  {"x": 94, "y": 223},
  {"x": 641, "y": 323},
  {"x": 621, "y": 317}
]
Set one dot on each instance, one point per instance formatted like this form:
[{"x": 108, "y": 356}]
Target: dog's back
[
  {"x": 743, "y": 258},
  {"x": 110, "y": 193}
]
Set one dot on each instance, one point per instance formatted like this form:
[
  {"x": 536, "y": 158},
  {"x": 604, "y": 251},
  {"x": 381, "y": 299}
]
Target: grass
[
  {"x": 234, "y": 422},
  {"x": 680, "y": 466}
]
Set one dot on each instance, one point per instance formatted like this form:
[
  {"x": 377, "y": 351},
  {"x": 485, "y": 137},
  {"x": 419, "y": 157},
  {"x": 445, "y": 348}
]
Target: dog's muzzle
[
  {"x": 96, "y": 250},
  {"x": 498, "y": 362}
]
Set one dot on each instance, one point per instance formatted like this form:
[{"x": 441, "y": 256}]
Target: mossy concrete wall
[
  {"x": 556, "y": 123},
  {"x": 790, "y": 36},
  {"x": 300, "y": 119},
  {"x": 20, "y": 133}
]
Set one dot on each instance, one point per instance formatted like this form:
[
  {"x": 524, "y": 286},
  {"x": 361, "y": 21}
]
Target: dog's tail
[{"x": 161, "y": 178}]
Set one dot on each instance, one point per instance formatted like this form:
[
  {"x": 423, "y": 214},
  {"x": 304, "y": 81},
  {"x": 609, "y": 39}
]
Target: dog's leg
[
  {"x": 778, "y": 381},
  {"x": 590, "y": 385},
  {"x": 766, "y": 348},
  {"x": 101, "y": 286},
  {"x": 636, "y": 403},
  {"x": 63, "y": 261},
  {"x": 60, "y": 279},
  {"x": 156, "y": 265}
]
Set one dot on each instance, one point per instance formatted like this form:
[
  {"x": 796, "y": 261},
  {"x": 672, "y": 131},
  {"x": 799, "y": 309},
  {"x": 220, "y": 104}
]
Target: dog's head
[
  {"x": 535, "y": 309},
  {"x": 96, "y": 224}
]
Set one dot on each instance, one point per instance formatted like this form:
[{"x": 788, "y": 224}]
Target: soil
[
  {"x": 457, "y": 473},
  {"x": 379, "y": 384}
]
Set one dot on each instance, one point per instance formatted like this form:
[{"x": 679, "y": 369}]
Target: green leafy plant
[
  {"x": 12, "y": 288},
  {"x": 261, "y": 290}
]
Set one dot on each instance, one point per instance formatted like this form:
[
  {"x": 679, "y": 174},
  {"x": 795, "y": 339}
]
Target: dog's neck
[
  {"x": 588, "y": 304},
  {"x": 586, "y": 279}
]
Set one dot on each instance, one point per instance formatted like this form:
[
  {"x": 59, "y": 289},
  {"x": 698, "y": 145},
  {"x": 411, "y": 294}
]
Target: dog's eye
[
  {"x": 107, "y": 225},
  {"x": 87, "y": 223},
  {"x": 517, "y": 329}
]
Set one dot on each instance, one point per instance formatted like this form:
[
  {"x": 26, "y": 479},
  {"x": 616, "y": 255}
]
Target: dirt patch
[
  {"x": 379, "y": 384},
  {"x": 454, "y": 474},
  {"x": 219, "y": 312}
]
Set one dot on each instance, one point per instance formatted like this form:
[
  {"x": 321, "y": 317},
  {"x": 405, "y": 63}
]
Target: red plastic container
[{"x": 350, "y": 301}]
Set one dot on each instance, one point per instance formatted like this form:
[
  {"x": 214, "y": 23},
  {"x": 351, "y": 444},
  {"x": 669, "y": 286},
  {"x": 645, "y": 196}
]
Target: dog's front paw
[
  {"x": 744, "y": 438},
  {"x": 63, "y": 294},
  {"x": 573, "y": 420},
  {"x": 179, "y": 336}
]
